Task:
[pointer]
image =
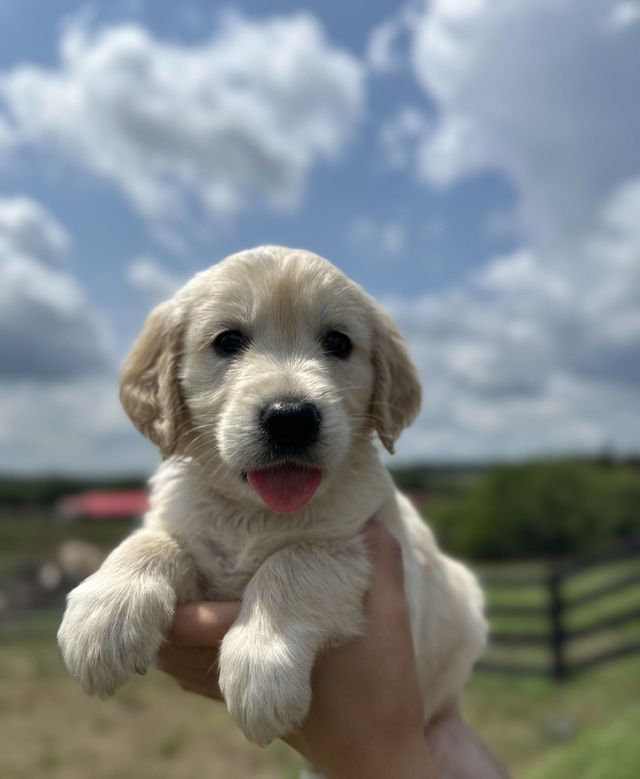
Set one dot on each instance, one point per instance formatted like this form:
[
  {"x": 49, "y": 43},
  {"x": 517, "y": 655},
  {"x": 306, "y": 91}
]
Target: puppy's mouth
[{"x": 285, "y": 488}]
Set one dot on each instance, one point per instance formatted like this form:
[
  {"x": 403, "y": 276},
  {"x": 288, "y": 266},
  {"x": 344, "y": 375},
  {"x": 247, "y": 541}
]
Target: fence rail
[{"x": 557, "y": 635}]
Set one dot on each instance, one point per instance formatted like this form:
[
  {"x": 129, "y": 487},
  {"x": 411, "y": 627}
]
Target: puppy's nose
[{"x": 290, "y": 426}]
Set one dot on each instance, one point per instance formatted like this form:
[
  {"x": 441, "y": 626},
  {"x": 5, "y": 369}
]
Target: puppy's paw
[
  {"x": 113, "y": 628},
  {"x": 266, "y": 684}
]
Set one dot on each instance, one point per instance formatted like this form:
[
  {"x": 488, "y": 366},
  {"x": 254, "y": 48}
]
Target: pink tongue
[{"x": 287, "y": 488}]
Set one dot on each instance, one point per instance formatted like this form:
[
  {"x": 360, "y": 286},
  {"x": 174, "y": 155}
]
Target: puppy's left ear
[{"x": 396, "y": 392}]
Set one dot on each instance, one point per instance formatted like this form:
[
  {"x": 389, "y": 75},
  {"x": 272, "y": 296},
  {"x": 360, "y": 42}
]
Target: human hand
[
  {"x": 190, "y": 653},
  {"x": 365, "y": 693},
  {"x": 366, "y": 712}
]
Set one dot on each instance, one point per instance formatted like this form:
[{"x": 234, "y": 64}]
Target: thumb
[{"x": 385, "y": 555}]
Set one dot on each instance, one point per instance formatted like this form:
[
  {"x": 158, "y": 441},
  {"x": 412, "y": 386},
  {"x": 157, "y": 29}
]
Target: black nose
[{"x": 290, "y": 426}]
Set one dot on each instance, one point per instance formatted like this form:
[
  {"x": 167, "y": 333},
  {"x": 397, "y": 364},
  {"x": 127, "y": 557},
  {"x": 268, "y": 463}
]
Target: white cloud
[
  {"x": 624, "y": 15},
  {"x": 73, "y": 427},
  {"x": 6, "y": 136},
  {"x": 242, "y": 116},
  {"x": 48, "y": 329},
  {"x": 532, "y": 355},
  {"x": 382, "y": 54},
  {"x": 59, "y": 409},
  {"x": 26, "y": 228},
  {"x": 537, "y": 90},
  {"x": 377, "y": 239},
  {"x": 399, "y": 136},
  {"x": 540, "y": 349},
  {"x": 155, "y": 282},
  {"x": 388, "y": 42}
]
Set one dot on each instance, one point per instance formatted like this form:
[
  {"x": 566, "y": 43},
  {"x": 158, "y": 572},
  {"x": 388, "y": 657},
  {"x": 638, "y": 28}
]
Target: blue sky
[{"x": 474, "y": 164}]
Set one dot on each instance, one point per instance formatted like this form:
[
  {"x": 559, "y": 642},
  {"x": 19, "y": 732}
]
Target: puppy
[{"x": 264, "y": 382}]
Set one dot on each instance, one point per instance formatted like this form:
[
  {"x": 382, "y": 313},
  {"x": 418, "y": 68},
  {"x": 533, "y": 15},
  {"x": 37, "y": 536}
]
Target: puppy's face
[{"x": 281, "y": 366}]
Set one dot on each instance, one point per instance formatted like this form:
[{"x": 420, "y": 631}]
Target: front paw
[
  {"x": 266, "y": 683},
  {"x": 112, "y": 629}
]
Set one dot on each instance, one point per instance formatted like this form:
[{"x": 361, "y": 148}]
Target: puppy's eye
[
  {"x": 337, "y": 344},
  {"x": 230, "y": 342}
]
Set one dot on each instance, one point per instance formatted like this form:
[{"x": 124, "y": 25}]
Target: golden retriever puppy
[{"x": 264, "y": 382}]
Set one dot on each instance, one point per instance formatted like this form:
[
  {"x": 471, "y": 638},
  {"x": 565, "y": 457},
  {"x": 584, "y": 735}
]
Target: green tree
[{"x": 540, "y": 509}]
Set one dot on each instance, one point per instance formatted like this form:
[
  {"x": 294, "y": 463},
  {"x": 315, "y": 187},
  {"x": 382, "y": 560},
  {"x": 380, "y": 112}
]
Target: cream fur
[{"x": 208, "y": 534}]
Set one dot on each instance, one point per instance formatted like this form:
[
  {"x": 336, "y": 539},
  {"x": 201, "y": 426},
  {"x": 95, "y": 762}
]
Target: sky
[{"x": 474, "y": 164}]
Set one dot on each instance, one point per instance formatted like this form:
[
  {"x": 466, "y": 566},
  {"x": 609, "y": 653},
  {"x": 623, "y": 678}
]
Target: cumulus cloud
[
  {"x": 241, "y": 116},
  {"x": 624, "y": 15},
  {"x": 380, "y": 54},
  {"x": 531, "y": 355},
  {"x": 6, "y": 135},
  {"x": 400, "y": 136},
  {"x": 377, "y": 239},
  {"x": 383, "y": 47},
  {"x": 539, "y": 90},
  {"x": 388, "y": 41},
  {"x": 538, "y": 350},
  {"x": 28, "y": 229},
  {"x": 73, "y": 427},
  {"x": 59, "y": 408},
  {"x": 152, "y": 279},
  {"x": 48, "y": 329}
]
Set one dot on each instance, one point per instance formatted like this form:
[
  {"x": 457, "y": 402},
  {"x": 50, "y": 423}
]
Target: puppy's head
[{"x": 269, "y": 369}]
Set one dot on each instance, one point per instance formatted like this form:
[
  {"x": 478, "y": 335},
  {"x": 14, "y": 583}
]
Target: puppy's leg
[
  {"x": 116, "y": 619},
  {"x": 301, "y": 599}
]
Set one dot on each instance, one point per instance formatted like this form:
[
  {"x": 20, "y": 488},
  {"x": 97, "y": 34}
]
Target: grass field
[
  {"x": 585, "y": 728},
  {"x": 150, "y": 730}
]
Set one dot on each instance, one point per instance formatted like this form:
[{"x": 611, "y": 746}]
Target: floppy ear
[
  {"x": 396, "y": 390},
  {"x": 149, "y": 390}
]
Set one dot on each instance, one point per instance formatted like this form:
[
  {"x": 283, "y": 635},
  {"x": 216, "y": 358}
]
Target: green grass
[
  {"x": 582, "y": 729},
  {"x": 541, "y": 729},
  {"x": 149, "y": 730},
  {"x": 610, "y": 750}
]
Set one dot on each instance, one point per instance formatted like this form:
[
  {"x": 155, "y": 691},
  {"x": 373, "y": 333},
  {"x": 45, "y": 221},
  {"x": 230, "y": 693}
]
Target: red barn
[{"x": 104, "y": 504}]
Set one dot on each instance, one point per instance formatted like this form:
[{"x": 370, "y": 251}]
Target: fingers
[
  {"x": 202, "y": 624},
  {"x": 202, "y": 681},
  {"x": 385, "y": 603},
  {"x": 190, "y": 654},
  {"x": 200, "y": 658}
]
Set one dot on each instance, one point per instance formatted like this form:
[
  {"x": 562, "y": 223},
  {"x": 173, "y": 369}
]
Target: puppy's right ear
[{"x": 149, "y": 390}]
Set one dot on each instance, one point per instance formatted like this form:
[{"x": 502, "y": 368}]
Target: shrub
[{"x": 541, "y": 509}]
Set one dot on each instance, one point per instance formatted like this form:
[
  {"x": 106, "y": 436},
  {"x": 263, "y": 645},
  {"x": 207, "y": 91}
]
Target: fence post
[{"x": 559, "y": 669}]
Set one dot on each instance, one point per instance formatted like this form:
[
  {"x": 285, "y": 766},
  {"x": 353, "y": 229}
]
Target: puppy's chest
[{"x": 221, "y": 574}]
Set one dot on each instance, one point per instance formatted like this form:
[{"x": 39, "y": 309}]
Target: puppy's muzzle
[{"x": 290, "y": 427}]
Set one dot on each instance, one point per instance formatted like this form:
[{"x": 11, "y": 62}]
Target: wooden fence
[{"x": 557, "y": 609}]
